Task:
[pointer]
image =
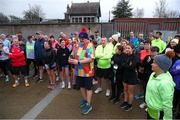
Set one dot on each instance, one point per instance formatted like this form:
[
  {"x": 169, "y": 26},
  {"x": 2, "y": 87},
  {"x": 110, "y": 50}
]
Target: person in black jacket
[
  {"x": 129, "y": 65},
  {"x": 147, "y": 70},
  {"x": 49, "y": 61},
  {"x": 62, "y": 61},
  {"x": 116, "y": 81}
]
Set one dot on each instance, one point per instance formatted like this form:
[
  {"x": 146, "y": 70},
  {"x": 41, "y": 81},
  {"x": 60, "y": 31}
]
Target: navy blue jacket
[{"x": 39, "y": 49}]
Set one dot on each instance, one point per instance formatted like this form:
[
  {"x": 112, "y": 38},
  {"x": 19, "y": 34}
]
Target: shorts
[
  {"x": 39, "y": 63},
  {"x": 50, "y": 67},
  {"x": 17, "y": 70},
  {"x": 131, "y": 82},
  {"x": 104, "y": 73},
  {"x": 84, "y": 82},
  {"x": 65, "y": 66}
]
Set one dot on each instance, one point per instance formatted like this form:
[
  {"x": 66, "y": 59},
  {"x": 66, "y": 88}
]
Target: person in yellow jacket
[
  {"x": 104, "y": 53},
  {"x": 158, "y": 42},
  {"x": 160, "y": 88}
]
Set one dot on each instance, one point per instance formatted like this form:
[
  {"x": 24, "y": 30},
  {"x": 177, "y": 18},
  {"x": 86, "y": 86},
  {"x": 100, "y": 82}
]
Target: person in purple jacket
[{"x": 175, "y": 71}]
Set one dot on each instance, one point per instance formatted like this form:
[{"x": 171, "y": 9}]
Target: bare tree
[
  {"x": 138, "y": 13},
  {"x": 34, "y": 13},
  {"x": 173, "y": 14},
  {"x": 161, "y": 9}
]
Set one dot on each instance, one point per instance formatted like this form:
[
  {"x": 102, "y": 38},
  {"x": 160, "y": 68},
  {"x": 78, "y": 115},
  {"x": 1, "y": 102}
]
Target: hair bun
[{"x": 170, "y": 54}]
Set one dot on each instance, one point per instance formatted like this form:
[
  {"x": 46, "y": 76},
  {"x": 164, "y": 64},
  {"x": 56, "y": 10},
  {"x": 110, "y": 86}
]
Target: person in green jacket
[
  {"x": 158, "y": 42},
  {"x": 104, "y": 53},
  {"x": 160, "y": 88}
]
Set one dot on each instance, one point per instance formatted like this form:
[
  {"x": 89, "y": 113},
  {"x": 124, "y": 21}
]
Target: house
[{"x": 88, "y": 12}]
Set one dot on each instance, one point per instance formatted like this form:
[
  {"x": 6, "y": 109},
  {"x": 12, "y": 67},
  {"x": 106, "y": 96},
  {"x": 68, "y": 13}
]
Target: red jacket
[
  {"x": 143, "y": 54},
  {"x": 17, "y": 57}
]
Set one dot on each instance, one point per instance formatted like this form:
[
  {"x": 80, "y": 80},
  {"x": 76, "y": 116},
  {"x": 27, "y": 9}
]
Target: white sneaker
[
  {"x": 98, "y": 90},
  {"x": 146, "y": 109},
  {"x": 107, "y": 93},
  {"x": 7, "y": 79},
  {"x": 57, "y": 78},
  {"x": 63, "y": 85},
  {"x": 142, "y": 105},
  {"x": 69, "y": 85}
]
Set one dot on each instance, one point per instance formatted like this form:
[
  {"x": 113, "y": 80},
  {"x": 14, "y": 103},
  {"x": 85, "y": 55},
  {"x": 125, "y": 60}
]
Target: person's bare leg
[
  {"x": 108, "y": 84},
  {"x": 99, "y": 82},
  {"x": 40, "y": 72},
  {"x": 67, "y": 74},
  {"x": 53, "y": 76},
  {"x": 131, "y": 93},
  {"x": 62, "y": 75},
  {"x": 83, "y": 93},
  {"x": 89, "y": 96},
  {"x": 50, "y": 77},
  {"x": 125, "y": 92}
]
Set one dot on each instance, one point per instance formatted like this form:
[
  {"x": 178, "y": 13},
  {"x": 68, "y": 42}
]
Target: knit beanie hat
[
  {"x": 116, "y": 36},
  {"x": 164, "y": 60},
  {"x": 175, "y": 40},
  {"x": 83, "y": 33}
]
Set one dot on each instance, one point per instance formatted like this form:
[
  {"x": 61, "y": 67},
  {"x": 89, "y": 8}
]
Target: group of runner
[{"x": 80, "y": 60}]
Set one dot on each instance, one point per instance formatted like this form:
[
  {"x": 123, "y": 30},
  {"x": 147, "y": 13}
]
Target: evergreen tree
[{"x": 122, "y": 10}]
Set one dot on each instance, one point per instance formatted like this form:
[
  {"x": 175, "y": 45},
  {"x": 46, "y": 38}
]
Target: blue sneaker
[
  {"x": 139, "y": 96},
  {"x": 83, "y": 103},
  {"x": 86, "y": 109}
]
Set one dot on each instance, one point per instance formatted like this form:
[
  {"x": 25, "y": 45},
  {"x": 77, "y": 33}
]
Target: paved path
[{"x": 39, "y": 102}]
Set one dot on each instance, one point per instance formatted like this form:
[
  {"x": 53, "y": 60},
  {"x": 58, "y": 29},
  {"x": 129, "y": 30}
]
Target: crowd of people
[{"x": 80, "y": 60}]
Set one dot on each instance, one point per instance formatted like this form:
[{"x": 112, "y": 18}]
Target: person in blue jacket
[
  {"x": 39, "y": 49},
  {"x": 175, "y": 71}
]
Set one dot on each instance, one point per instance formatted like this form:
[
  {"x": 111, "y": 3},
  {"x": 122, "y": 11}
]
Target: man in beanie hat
[
  {"x": 82, "y": 57},
  {"x": 160, "y": 88}
]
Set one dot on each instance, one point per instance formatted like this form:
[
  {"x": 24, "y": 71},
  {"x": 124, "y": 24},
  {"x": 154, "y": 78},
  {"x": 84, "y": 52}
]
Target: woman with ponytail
[{"x": 160, "y": 88}]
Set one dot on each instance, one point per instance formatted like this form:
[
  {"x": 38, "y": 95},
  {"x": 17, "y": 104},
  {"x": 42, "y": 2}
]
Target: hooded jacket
[
  {"x": 159, "y": 95},
  {"x": 17, "y": 56}
]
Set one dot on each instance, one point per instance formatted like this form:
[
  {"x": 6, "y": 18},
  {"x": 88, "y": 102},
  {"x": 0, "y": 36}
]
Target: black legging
[
  {"x": 29, "y": 61},
  {"x": 116, "y": 86},
  {"x": 176, "y": 100},
  {"x": 5, "y": 66}
]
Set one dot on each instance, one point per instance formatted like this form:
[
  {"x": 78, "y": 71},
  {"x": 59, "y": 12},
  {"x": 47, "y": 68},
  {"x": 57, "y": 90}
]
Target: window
[
  {"x": 85, "y": 19},
  {"x": 80, "y": 20},
  {"x": 73, "y": 20},
  {"x": 89, "y": 19},
  {"x": 76, "y": 20},
  {"x": 92, "y": 19}
]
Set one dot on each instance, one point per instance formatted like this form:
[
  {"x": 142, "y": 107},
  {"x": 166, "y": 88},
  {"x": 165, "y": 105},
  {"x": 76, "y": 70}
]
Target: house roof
[{"x": 89, "y": 8}]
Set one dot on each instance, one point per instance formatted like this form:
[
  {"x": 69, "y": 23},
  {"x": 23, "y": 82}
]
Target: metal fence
[{"x": 145, "y": 25}]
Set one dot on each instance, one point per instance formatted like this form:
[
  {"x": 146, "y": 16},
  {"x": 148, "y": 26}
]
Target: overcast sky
[{"x": 55, "y": 8}]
